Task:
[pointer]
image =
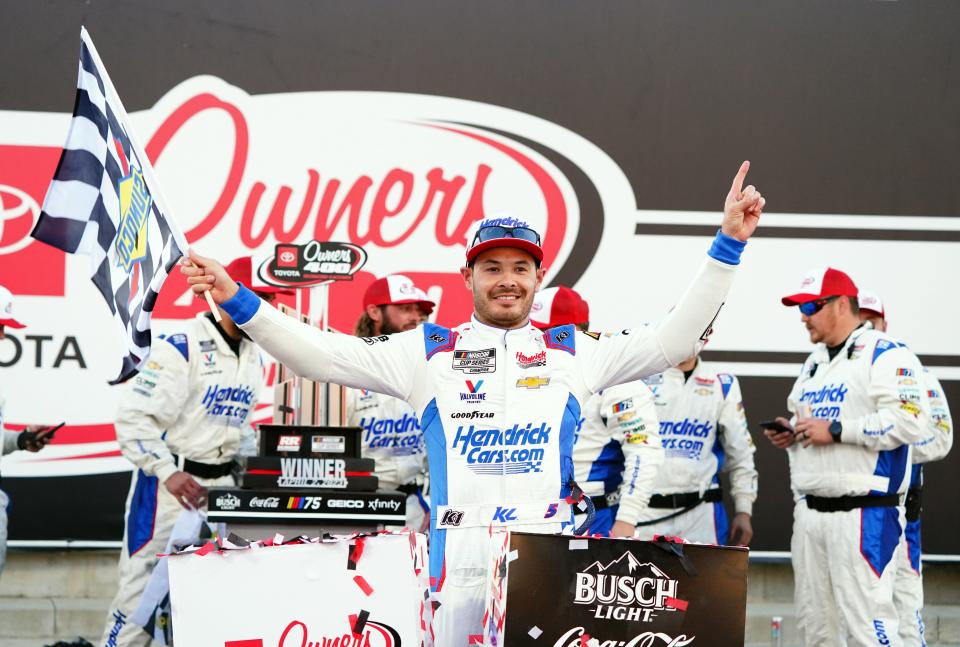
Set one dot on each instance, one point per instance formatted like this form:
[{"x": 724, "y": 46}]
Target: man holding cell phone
[
  {"x": 856, "y": 412},
  {"x": 31, "y": 439}
]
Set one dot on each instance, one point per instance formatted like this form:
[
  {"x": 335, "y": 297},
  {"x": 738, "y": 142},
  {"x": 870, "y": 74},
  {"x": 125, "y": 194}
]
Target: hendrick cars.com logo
[{"x": 397, "y": 174}]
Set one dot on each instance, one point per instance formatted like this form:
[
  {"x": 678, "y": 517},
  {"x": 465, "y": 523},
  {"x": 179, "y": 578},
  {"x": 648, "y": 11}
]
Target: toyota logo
[
  {"x": 287, "y": 257},
  {"x": 18, "y": 214}
]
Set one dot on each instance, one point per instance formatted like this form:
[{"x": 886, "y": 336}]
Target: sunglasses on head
[
  {"x": 493, "y": 232},
  {"x": 811, "y": 308}
]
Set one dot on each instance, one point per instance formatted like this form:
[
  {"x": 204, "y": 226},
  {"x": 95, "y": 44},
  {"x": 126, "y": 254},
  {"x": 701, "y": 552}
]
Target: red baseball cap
[
  {"x": 870, "y": 301},
  {"x": 557, "y": 307},
  {"x": 821, "y": 283},
  {"x": 241, "y": 271},
  {"x": 394, "y": 290},
  {"x": 6, "y": 310},
  {"x": 503, "y": 232}
]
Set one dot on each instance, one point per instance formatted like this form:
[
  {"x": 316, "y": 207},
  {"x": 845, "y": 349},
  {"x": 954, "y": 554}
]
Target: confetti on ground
[
  {"x": 535, "y": 632},
  {"x": 578, "y": 544}
]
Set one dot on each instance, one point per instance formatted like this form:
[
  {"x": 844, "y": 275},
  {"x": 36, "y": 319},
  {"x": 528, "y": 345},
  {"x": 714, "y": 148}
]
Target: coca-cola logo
[{"x": 575, "y": 638}]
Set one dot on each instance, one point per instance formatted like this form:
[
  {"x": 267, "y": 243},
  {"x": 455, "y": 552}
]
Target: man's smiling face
[{"x": 503, "y": 281}]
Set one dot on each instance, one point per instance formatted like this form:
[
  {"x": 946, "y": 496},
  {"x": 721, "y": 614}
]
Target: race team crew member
[
  {"x": 849, "y": 441},
  {"x": 936, "y": 444},
  {"x": 498, "y": 399},
  {"x": 181, "y": 421},
  {"x": 31, "y": 439},
  {"x": 391, "y": 429},
  {"x": 616, "y": 448},
  {"x": 703, "y": 429}
]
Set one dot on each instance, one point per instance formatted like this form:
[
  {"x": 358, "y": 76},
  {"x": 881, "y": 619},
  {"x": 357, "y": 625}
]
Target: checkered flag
[{"x": 104, "y": 202}]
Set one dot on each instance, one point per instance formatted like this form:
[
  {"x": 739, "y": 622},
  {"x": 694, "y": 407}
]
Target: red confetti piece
[
  {"x": 475, "y": 639},
  {"x": 679, "y": 605},
  {"x": 362, "y": 583},
  {"x": 583, "y": 640},
  {"x": 208, "y": 547}
]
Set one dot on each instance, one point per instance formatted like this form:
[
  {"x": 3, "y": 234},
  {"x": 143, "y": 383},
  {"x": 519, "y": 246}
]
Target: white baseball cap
[
  {"x": 7, "y": 317},
  {"x": 396, "y": 289},
  {"x": 870, "y": 301}
]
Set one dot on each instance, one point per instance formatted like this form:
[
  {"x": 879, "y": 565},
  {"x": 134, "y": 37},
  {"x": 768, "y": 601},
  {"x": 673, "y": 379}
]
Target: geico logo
[
  {"x": 345, "y": 503},
  {"x": 686, "y": 427},
  {"x": 471, "y": 415}
]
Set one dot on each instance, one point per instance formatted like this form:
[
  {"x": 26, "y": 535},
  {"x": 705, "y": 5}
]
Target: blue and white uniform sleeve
[
  {"x": 903, "y": 412},
  {"x": 739, "y": 448},
  {"x": 638, "y": 432},
  {"x": 150, "y": 403},
  {"x": 938, "y": 440},
  {"x": 387, "y": 364},
  {"x": 635, "y": 354},
  {"x": 9, "y": 442}
]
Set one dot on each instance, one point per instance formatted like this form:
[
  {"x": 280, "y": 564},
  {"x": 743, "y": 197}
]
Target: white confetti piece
[
  {"x": 578, "y": 544},
  {"x": 535, "y": 632},
  {"x": 512, "y": 555}
]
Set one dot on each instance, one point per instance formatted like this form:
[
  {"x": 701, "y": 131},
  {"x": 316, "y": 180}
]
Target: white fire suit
[
  {"x": 393, "y": 439},
  {"x": 194, "y": 400},
  {"x": 498, "y": 410},
  {"x": 617, "y": 454},
  {"x": 936, "y": 444},
  {"x": 843, "y": 560},
  {"x": 7, "y": 445},
  {"x": 703, "y": 429}
]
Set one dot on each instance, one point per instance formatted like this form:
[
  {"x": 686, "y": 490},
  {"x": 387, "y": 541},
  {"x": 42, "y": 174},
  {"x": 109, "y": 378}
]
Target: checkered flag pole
[{"x": 104, "y": 202}]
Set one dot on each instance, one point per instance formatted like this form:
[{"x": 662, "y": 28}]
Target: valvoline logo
[
  {"x": 473, "y": 394},
  {"x": 515, "y": 450}
]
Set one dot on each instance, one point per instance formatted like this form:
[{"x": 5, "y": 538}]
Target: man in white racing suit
[
  {"x": 849, "y": 442},
  {"x": 498, "y": 399},
  {"x": 33, "y": 438},
  {"x": 936, "y": 444},
  {"x": 391, "y": 429},
  {"x": 703, "y": 430},
  {"x": 616, "y": 448},
  {"x": 181, "y": 421}
]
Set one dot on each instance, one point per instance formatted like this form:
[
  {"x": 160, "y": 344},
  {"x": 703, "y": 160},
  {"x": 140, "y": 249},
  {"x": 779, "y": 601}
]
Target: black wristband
[{"x": 835, "y": 430}]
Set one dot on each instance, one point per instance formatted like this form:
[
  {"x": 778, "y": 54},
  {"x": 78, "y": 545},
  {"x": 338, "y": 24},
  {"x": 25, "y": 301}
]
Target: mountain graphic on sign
[{"x": 629, "y": 563}]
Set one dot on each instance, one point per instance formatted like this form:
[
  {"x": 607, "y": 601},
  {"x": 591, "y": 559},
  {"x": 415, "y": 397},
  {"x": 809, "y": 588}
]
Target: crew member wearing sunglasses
[
  {"x": 857, "y": 407},
  {"x": 498, "y": 399}
]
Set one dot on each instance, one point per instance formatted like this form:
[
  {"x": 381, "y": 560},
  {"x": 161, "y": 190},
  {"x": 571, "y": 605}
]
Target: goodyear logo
[{"x": 135, "y": 201}]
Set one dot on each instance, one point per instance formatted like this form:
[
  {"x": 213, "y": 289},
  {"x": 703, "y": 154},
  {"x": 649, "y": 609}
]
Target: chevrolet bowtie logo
[{"x": 533, "y": 382}]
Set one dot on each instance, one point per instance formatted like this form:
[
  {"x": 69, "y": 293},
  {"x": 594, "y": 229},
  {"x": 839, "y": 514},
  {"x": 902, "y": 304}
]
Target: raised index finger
[{"x": 739, "y": 178}]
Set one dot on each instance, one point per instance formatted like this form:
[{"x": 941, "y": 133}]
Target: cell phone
[
  {"x": 776, "y": 426},
  {"x": 52, "y": 431}
]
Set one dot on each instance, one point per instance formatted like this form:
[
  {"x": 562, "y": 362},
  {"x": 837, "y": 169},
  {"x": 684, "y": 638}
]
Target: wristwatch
[{"x": 835, "y": 430}]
